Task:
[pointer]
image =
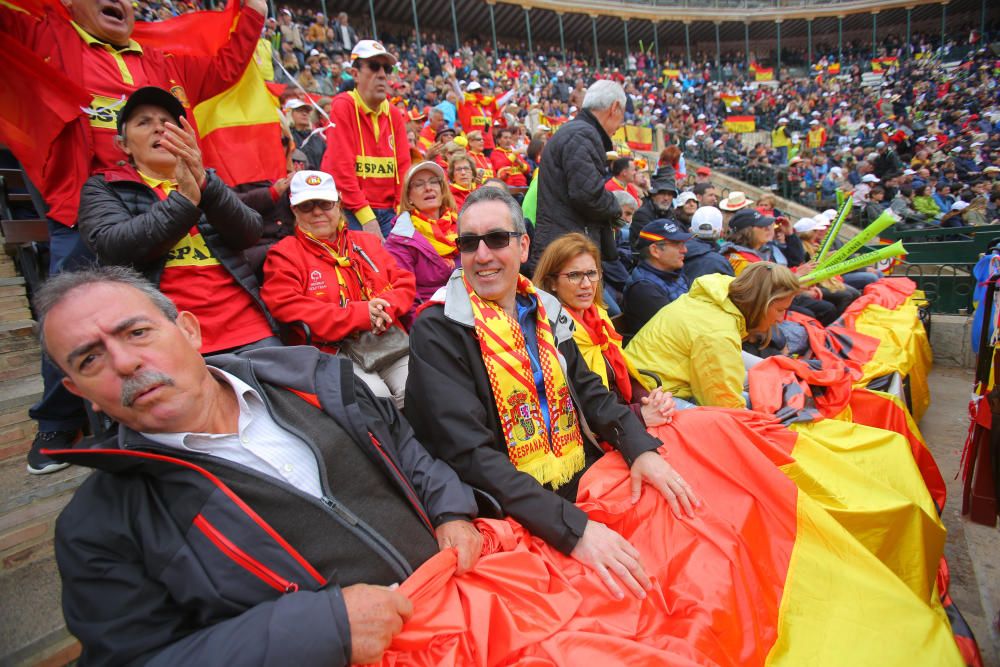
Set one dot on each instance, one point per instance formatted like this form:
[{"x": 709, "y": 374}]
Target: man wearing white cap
[
  {"x": 863, "y": 188},
  {"x": 703, "y": 256},
  {"x": 367, "y": 149},
  {"x": 816, "y": 138},
  {"x": 307, "y": 140}
]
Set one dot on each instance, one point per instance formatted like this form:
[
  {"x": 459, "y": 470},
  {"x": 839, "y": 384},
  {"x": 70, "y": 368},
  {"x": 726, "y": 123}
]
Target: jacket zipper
[
  {"x": 248, "y": 562},
  {"x": 412, "y": 493}
]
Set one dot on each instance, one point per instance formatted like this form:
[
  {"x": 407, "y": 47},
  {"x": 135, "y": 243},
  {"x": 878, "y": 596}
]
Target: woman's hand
[
  {"x": 380, "y": 319},
  {"x": 658, "y": 408}
]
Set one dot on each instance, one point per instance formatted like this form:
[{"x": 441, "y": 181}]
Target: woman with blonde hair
[
  {"x": 423, "y": 236},
  {"x": 570, "y": 269},
  {"x": 694, "y": 344}
]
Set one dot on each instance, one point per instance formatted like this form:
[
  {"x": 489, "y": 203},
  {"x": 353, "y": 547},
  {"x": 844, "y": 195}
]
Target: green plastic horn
[
  {"x": 880, "y": 224},
  {"x": 853, "y": 264},
  {"x": 831, "y": 232}
]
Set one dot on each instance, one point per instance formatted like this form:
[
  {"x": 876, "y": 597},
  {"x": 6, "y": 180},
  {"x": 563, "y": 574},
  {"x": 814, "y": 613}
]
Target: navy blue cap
[
  {"x": 748, "y": 217},
  {"x": 661, "y": 230}
]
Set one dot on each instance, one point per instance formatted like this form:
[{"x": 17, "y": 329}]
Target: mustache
[{"x": 141, "y": 382}]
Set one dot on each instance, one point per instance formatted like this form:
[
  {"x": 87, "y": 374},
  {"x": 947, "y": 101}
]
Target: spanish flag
[
  {"x": 239, "y": 129},
  {"x": 833, "y": 68},
  {"x": 769, "y": 572},
  {"x": 671, "y": 74},
  {"x": 639, "y": 138},
  {"x": 741, "y": 124},
  {"x": 730, "y": 100},
  {"x": 764, "y": 74}
]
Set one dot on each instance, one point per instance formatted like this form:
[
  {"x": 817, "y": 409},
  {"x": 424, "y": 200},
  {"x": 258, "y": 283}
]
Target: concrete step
[
  {"x": 23, "y": 363},
  {"x": 16, "y": 335},
  {"x": 32, "y": 631},
  {"x": 17, "y": 429},
  {"x": 28, "y": 509}
]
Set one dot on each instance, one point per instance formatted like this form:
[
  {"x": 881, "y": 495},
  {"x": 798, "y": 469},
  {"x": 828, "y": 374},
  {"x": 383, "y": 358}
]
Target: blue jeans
[
  {"x": 59, "y": 410},
  {"x": 385, "y": 217}
]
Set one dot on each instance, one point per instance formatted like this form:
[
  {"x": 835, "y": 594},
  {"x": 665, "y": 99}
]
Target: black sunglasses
[
  {"x": 308, "y": 206},
  {"x": 376, "y": 66},
  {"x": 493, "y": 241}
]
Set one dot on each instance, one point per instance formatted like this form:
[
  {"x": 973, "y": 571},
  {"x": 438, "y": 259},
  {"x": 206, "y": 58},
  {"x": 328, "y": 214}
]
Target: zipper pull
[
  {"x": 341, "y": 511},
  {"x": 365, "y": 257}
]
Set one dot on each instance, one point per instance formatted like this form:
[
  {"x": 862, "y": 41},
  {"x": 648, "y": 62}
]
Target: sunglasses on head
[
  {"x": 493, "y": 240},
  {"x": 376, "y": 66},
  {"x": 308, "y": 206}
]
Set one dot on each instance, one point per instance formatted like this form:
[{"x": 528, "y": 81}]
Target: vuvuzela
[
  {"x": 853, "y": 264},
  {"x": 832, "y": 230},
  {"x": 880, "y": 224}
]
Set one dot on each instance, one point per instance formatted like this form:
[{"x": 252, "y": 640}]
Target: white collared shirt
[{"x": 260, "y": 443}]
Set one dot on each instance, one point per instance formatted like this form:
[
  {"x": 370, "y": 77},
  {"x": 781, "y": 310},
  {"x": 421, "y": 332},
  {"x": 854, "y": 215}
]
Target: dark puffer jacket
[
  {"x": 571, "y": 194},
  {"x": 703, "y": 257},
  {"x": 124, "y": 222}
]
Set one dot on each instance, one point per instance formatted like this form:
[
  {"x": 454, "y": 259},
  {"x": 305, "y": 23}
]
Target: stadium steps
[{"x": 32, "y": 631}]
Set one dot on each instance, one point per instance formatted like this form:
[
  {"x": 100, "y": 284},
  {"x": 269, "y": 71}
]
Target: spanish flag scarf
[
  {"x": 440, "y": 233},
  {"x": 336, "y": 252},
  {"x": 551, "y": 458},
  {"x": 601, "y": 333}
]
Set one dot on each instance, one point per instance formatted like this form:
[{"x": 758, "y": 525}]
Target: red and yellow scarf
[
  {"x": 601, "y": 346},
  {"x": 440, "y": 233},
  {"x": 551, "y": 459}
]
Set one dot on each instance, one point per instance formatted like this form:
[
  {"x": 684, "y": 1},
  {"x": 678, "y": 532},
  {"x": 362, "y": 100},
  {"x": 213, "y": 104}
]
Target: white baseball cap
[
  {"x": 684, "y": 198},
  {"x": 870, "y": 178},
  {"x": 307, "y": 185},
  {"x": 959, "y": 205},
  {"x": 706, "y": 222},
  {"x": 808, "y": 225},
  {"x": 473, "y": 86},
  {"x": 369, "y": 48},
  {"x": 829, "y": 214},
  {"x": 293, "y": 104}
]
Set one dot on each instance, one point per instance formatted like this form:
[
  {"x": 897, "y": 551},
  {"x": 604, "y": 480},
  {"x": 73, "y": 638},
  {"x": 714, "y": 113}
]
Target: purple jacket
[{"x": 415, "y": 254}]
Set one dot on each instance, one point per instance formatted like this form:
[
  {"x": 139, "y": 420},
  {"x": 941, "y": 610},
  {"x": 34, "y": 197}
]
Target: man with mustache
[
  {"x": 251, "y": 509},
  {"x": 95, "y": 49}
]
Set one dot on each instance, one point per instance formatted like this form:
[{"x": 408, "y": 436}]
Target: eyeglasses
[
  {"x": 493, "y": 240},
  {"x": 462, "y": 168},
  {"x": 376, "y": 66},
  {"x": 308, "y": 206},
  {"x": 420, "y": 185},
  {"x": 576, "y": 277}
]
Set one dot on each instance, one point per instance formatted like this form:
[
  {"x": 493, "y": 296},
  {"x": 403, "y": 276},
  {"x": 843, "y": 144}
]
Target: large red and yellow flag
[
  {"x": 741, "y": 124},
  {"x": 765, "y": 574},
  {"x": 764, "y": 74},
  {"x": 729, "y": 100},
  {"x": 833, "y": 68},
  {"x": 671, "y": 73},
  {"x": 240, "y": 130}
]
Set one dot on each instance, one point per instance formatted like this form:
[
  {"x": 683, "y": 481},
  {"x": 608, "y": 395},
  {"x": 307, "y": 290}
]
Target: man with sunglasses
[
  {"x": 656, "y": 280},
  {"x": 367, "y": 149},
  {"x": 498, "y": 389}
]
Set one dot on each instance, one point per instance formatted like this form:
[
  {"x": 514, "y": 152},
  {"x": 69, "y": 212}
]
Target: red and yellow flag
[
  {"x": 671, "y": 74},
  {"x": 833, "y": 68},
  {"x": 741, "y": 124},
  {"x": 764, "y": 74},
  {"x": 729, "y": 100},
  {"x": 639, "y": 138},
  {"x": 240, "y": 130}
]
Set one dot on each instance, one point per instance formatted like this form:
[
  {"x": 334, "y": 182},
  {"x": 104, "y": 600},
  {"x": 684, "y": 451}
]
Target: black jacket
[
  {"x": 450, "y": 405},
  {"x": 124, "y": 223},
  {"x": 174, "y": 558},
  {"x": 702, "y": 258},
  {"x": 571, "y": 194}
]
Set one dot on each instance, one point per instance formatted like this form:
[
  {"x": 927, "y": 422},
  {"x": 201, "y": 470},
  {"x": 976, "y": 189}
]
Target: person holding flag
[
  {"x": 81, "y": 55},
  {"x": 476, "y": 111}
]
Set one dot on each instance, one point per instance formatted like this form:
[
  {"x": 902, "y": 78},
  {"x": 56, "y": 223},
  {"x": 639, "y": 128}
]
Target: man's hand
[
  {"x": 375, "y": 614},
  {"x": 658, "y": 408},
  {"x": 183, "y": 145},
  {"x": 381, "y": 320},
  {"x": 259, "y": 6},
  {"x": 465, "y": 537},
  {"x": 805, "y": 269},
  {"x": 281, "y": 185},
  {"x": 652, "y": 469},
  {"x": 606, "y": 552}
]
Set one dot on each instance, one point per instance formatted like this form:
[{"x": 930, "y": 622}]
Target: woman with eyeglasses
[
  {"x": 423, "y": 237},
  {"x": 340, "y": 283},
  {"x": 461, "y": 178},
  {"x": 570, "y": 269}
]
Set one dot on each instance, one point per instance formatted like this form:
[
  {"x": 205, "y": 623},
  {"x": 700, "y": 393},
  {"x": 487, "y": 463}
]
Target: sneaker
[{"x": 40, "y": 464}]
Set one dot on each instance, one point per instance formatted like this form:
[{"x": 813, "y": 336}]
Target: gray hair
[
  {"x": 58, "y": 287},
  {"x": 484, "y": 194},
  {"x": 602, "y": 94},
  {"x": 625, "y": 199}
]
